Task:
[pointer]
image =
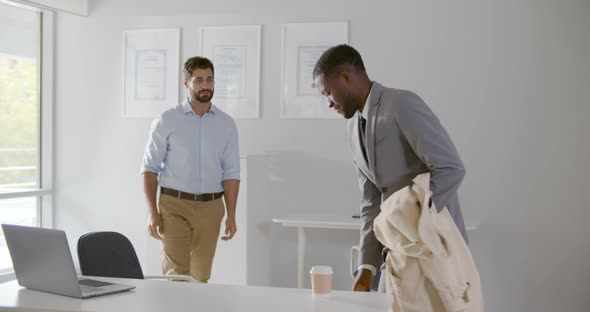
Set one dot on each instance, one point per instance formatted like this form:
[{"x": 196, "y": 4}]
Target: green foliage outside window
[{"x": 18, "y": 122}]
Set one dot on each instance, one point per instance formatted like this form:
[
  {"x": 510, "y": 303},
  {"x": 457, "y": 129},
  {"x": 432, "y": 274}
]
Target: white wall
[
  {"x": 508, "y": 79},
  {"x": 79, "y": 7}
]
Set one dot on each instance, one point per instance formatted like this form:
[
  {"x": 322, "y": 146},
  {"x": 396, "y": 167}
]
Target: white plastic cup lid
[{"x": 321, "y": 269}]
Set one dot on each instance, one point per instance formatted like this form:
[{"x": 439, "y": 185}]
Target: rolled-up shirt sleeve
[
  {"x": 230, "y": 163},
  {"x": 155, "y": 151}
]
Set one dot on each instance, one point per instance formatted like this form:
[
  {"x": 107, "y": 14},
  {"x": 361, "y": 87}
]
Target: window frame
[{"x": 45, "y": 92}]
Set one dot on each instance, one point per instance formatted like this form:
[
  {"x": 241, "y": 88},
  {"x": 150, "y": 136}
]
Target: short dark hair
[
  {"x": 196, "y": 62},
  {"x": 335, "y": 57}
]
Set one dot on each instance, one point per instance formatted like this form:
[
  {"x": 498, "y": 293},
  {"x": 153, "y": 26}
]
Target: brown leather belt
[{"x": 191, "y": 196}]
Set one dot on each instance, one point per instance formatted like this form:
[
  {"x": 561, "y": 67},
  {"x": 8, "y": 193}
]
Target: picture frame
[
  {"x": 235, "y": 53},
  {"x": 302, "y": 45},
  {"x": 150, "y": 71}
]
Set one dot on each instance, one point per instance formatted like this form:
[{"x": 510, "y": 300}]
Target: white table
[
  {"x": 323, "y": 221},
  {"x": 315, "y": 221},
  {"x": 156, "y": 295}
]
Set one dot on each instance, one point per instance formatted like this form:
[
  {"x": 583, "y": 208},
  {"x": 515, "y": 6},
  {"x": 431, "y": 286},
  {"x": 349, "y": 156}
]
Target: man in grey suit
[{"x": 393, "y": 136}]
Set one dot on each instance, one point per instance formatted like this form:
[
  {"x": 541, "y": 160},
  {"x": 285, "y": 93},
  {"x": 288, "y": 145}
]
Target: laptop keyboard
[{"x": 93, "y": 283}]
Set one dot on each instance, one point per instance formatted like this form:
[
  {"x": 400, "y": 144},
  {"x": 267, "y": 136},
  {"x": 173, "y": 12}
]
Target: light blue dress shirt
[{"x": 191, "y": 153}]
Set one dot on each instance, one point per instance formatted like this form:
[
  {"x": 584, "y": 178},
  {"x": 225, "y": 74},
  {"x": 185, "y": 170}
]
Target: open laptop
[{"x": 42, "y": 261}]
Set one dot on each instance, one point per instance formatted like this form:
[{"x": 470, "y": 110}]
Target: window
[{"x": 25, "y": 131}]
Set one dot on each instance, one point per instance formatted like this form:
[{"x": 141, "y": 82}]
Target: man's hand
[
  {"x": 230, "y": 229},
  {"x": 155, "y": 226},
  {"x": 363, "y": 280}
]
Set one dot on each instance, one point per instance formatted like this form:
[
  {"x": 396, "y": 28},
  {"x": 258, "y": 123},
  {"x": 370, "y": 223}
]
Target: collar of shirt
[
  {"x": 187, "y": 108},
  {"x": 365, "y": 112}
]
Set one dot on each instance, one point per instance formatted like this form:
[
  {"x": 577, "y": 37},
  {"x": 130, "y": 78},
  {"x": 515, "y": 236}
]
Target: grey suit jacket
[{"x": 403, "y": 139}]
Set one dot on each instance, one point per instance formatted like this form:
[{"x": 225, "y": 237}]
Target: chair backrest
[{"x": 108, "y": 254}]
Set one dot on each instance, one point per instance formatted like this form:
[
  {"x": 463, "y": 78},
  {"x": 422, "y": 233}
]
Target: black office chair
[{"x": 111, "y": 254}]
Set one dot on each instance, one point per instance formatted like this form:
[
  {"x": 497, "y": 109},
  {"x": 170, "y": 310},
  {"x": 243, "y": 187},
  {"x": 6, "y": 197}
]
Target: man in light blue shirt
[{"x": 192, "y": 154}]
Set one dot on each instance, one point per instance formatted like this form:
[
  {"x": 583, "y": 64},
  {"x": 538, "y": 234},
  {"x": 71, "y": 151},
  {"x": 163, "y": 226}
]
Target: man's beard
[
  {"x": 349, "y": 108},
  {"x": 202, "y": 96}
]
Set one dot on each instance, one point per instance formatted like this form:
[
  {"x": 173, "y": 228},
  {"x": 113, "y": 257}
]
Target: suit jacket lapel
[{"x": 373, "y": 108}]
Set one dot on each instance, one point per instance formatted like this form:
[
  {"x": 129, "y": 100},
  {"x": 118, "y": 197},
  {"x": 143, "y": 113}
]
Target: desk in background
[
  {"x": 153, "y": 295},
  {"x": 323, "y": 221},
  {"x": 314, "y": 221}
]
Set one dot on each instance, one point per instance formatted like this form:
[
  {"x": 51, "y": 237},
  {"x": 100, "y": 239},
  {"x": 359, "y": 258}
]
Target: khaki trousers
[{"x": 191, "y": 232}]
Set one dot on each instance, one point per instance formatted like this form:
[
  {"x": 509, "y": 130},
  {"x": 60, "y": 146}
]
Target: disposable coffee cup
[{"x": 321, "y": 279}]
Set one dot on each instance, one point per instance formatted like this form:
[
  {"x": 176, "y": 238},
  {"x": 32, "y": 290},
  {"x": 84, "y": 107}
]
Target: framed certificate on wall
[
  {"x": 150, "y": 70},
  {"x": 235, "y": 53},
  {"x": 303, "y": 44}
]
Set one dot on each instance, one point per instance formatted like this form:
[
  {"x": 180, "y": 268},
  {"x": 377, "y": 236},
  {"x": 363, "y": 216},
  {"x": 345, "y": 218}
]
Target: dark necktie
[{"x": 362, "y": 126}]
